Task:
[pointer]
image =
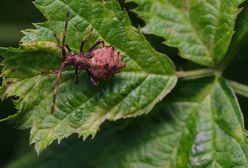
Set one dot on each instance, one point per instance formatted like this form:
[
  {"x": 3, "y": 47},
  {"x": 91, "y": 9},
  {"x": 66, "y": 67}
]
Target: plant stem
[
  {"x": 239, "y": 88},
  {"x": 195, "y": 73}
]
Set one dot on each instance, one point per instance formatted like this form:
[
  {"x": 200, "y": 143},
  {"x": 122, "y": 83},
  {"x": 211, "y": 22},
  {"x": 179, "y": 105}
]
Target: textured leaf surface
[
  {"x": 201, "y": 30},
  {"x": 81, "y": 108},
  {"x": 241, "y": 27},
  {"x": 200, "y": 127},
  {"x": 240, "y": 36},
  {"x": 193, "y": 128}
]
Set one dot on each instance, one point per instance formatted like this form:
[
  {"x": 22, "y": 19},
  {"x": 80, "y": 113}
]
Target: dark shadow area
[
  {"x": 7, "y": 107},
  {"x": 14, "y": 17},
  {"x": 135, "y": 19},
  {"x": 13, "y": 143},
  {"x": 237, "y": 71}
]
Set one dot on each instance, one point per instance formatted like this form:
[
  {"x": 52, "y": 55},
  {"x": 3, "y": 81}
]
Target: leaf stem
[
  {"x": 239, "y": 88},
  {"x": 195, "y": 73}
]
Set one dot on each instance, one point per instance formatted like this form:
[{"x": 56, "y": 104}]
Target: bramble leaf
[
  {"x": 241, "y": 26},
  {"x": 201, "y": 30},
  {"x": 193, "y": 128},
  {"x": 200, "y": 125},
  {"x": 29, "y": 73},
  {"x": 240, "y": 36}
]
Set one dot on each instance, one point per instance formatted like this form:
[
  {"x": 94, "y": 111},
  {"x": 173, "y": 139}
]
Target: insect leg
[
  {"x": 85, "y": 39},
  {"x": 65, "y": 29},
  {"x": 94, "y": 81},
  {"x": 76, "y": 75},
  {"x": 64, "y": 36},
  {"x": 56, "y": 86},
  {"x": 62, "y": 47},
  {"x": 63, "y": 51},
  {"x": 96, "y": 44},
  {"x": 57, "y": 39},
  {"x": 68, "y": 48}
]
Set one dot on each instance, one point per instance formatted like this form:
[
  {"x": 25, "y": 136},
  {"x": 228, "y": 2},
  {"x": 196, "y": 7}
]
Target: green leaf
[
  {"x": 241, "y": 26},
  {"x": 240, "y": 36},
  {"x": 199, "y": 125},
  {"x": 29, "y": 73},
  {"x": 201, "y": 30}
]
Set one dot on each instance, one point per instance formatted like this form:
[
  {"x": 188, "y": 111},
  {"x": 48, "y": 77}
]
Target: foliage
[
  {"x": 82, "y": 108},
  {"x": 199, "y": 124}
]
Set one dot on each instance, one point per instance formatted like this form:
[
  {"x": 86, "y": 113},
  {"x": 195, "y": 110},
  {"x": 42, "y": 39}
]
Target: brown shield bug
[{"x": 100, "y": 63}]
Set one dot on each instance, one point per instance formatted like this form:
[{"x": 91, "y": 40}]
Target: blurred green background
[{"x": 16, "y": 15}]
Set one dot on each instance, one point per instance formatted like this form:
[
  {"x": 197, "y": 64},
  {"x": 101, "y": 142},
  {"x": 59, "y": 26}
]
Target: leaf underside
[
  {"x": 201, "y": 30},
  {"x": 29, "y": 73},
  {"x": 200, "y": 127}
]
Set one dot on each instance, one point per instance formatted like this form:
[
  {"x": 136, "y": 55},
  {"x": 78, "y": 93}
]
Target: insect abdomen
[{"x": 105, "y": 63}]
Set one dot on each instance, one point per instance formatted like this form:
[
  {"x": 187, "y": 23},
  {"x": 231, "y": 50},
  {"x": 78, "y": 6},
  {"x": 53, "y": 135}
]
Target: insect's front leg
[
  {"x": 98, "y": 42},
  {"x": 63, "y": 45},
  {"x": 63, "y": 51},
  {"x": 85, "y": 39}
]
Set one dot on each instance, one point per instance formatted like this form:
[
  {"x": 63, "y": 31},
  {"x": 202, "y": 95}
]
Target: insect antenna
[
  {"x": 65, "y": 28},
  {"x": 56, "y": 86}
]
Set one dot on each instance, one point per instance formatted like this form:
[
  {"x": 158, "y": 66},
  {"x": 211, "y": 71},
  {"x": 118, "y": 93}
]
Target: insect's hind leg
[
  {"x": 98, "y": 42},
  {"x": 76, "y": 75},
  {"x": 56, "y": 86}
]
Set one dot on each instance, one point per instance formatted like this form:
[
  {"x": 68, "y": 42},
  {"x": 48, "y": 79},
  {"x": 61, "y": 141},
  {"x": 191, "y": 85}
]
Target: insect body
[{"x": 100, "y": 63}]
